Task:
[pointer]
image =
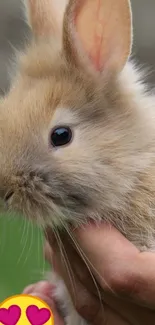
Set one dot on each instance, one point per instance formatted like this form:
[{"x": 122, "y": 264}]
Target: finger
[
  {"x": 50, "y": 237},
  {"x": 111, "y": 310},
  {"x": 29, "y": 289},
  {"x": 50, "y": 302},
  {"x": 44, "y": 287},
  {"x": 48, "y": 253},
  {"x": 133, "y": 313},
  {"x": 86, "y": 303},
  {"x": 117, "y": 262},
  {"x": 64, "y": 251},
  {"x": 43, "y": 290}
]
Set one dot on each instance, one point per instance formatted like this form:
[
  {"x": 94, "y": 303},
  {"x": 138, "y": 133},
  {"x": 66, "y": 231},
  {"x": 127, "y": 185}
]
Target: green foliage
[{"x": 21, "y": 255}]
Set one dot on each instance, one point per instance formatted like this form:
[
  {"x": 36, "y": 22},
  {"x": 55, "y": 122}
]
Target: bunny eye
[{"x": 61, "y": 136}]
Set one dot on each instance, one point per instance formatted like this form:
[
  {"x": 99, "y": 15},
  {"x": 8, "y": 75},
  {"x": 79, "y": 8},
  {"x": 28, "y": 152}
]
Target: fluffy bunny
[{"x": 77, "y": 130}]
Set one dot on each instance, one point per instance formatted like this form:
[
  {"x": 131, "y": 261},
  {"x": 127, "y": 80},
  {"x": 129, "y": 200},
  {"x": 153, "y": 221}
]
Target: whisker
[
  {"x": 24, "y": 246},
  {"x": 3, "y": 237},
  {"x": 31, "y": 241},
  {"x": 24, "y": 229},
  {"x": 84, "y": 258},
  {"x": 93, "y": 267},
  {"x": 42, "y": 243},
  {"x": 87, "y": 263},
  {"x": 66, "y": 261}
]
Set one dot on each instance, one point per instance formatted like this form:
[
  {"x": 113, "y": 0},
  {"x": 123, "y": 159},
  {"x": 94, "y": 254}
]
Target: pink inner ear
[
  {"x": 95, "y": 53},
  {"x": 93, "y": 35},
  {"x": 102, "y": 37},
  {"x": 104, "y": 30}
]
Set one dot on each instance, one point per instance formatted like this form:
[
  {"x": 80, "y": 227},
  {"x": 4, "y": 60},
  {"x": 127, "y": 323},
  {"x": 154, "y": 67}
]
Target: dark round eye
[{"x": 61, "y": 136}]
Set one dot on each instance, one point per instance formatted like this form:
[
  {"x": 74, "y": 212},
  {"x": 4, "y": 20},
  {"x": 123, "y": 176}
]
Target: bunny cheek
[
  {"x": 44, "y": 196},
  {"x": 96, "y": 176},
  {"x": 40, "y": 186}
]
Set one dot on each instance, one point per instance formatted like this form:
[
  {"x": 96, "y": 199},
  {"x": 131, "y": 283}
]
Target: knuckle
[
  {"x": 124, "y": 283},
  {"x": 86, "y": 311},
  {"x": 78, "y": 304},
  {"x": 86, "y": 305}
]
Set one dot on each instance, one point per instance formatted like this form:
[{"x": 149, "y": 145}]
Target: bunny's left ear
[
  {"x": 46, "y": 16},
  {"x": 98, "y": 33}
]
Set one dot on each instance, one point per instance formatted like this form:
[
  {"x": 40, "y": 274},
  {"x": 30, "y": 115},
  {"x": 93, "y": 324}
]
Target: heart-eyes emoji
[
  {"x": 11, "y": 315},
  {"x": 37, "y": 316}
]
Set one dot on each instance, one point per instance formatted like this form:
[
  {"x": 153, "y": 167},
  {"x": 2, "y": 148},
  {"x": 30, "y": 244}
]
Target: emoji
[
  {"x": 37, "y": 316},
  {"x": 10, "y": 316},
  {"x": 25, "y": 310}
]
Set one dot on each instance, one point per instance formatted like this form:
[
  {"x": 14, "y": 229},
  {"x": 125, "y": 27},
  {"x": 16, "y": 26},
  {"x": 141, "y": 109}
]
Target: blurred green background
[{"x": 21, "y": 257}]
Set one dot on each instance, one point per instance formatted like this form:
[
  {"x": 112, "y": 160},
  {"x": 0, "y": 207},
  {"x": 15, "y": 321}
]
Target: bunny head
[{"x": 73, "y": 128}]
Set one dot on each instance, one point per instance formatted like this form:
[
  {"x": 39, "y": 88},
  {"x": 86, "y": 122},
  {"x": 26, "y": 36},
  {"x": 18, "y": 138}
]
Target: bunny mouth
[
  {"x": 8, "y": 199},
  {"x": 8, "y": 196},
  {"x": 46, "y": 198}
]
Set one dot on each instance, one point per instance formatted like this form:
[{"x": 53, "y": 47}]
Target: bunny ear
[
  {"x": 46, "y": 16},
  {"x": 98, "y": 30}
]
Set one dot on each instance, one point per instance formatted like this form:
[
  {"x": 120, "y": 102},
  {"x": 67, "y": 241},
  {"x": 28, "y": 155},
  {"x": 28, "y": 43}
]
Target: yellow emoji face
[{"x": 25, "y": 310}]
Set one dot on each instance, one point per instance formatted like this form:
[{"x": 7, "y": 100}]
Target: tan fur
[
  {"x": 103, "y": 31},
  {"x": 117, "y": 141},
  {"x": 107, "y": 172},
  {"x": 46, "y": 16},
  {"x": 112, "y": 156}
]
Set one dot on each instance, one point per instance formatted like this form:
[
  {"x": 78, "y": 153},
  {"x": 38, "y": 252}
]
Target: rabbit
[{"x": 77, "y": 129}]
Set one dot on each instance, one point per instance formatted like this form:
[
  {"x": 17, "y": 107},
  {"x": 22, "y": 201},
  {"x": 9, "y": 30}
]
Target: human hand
[{"x": 126, "y": 276}]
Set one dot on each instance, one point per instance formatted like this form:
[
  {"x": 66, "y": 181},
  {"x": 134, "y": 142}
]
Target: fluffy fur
[{"x": 107, "y": 172}]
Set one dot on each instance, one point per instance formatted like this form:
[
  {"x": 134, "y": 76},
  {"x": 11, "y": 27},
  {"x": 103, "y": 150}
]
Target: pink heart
[
  {"x": 37, "y": 316},
  {"x": 10, "y": 316}
]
